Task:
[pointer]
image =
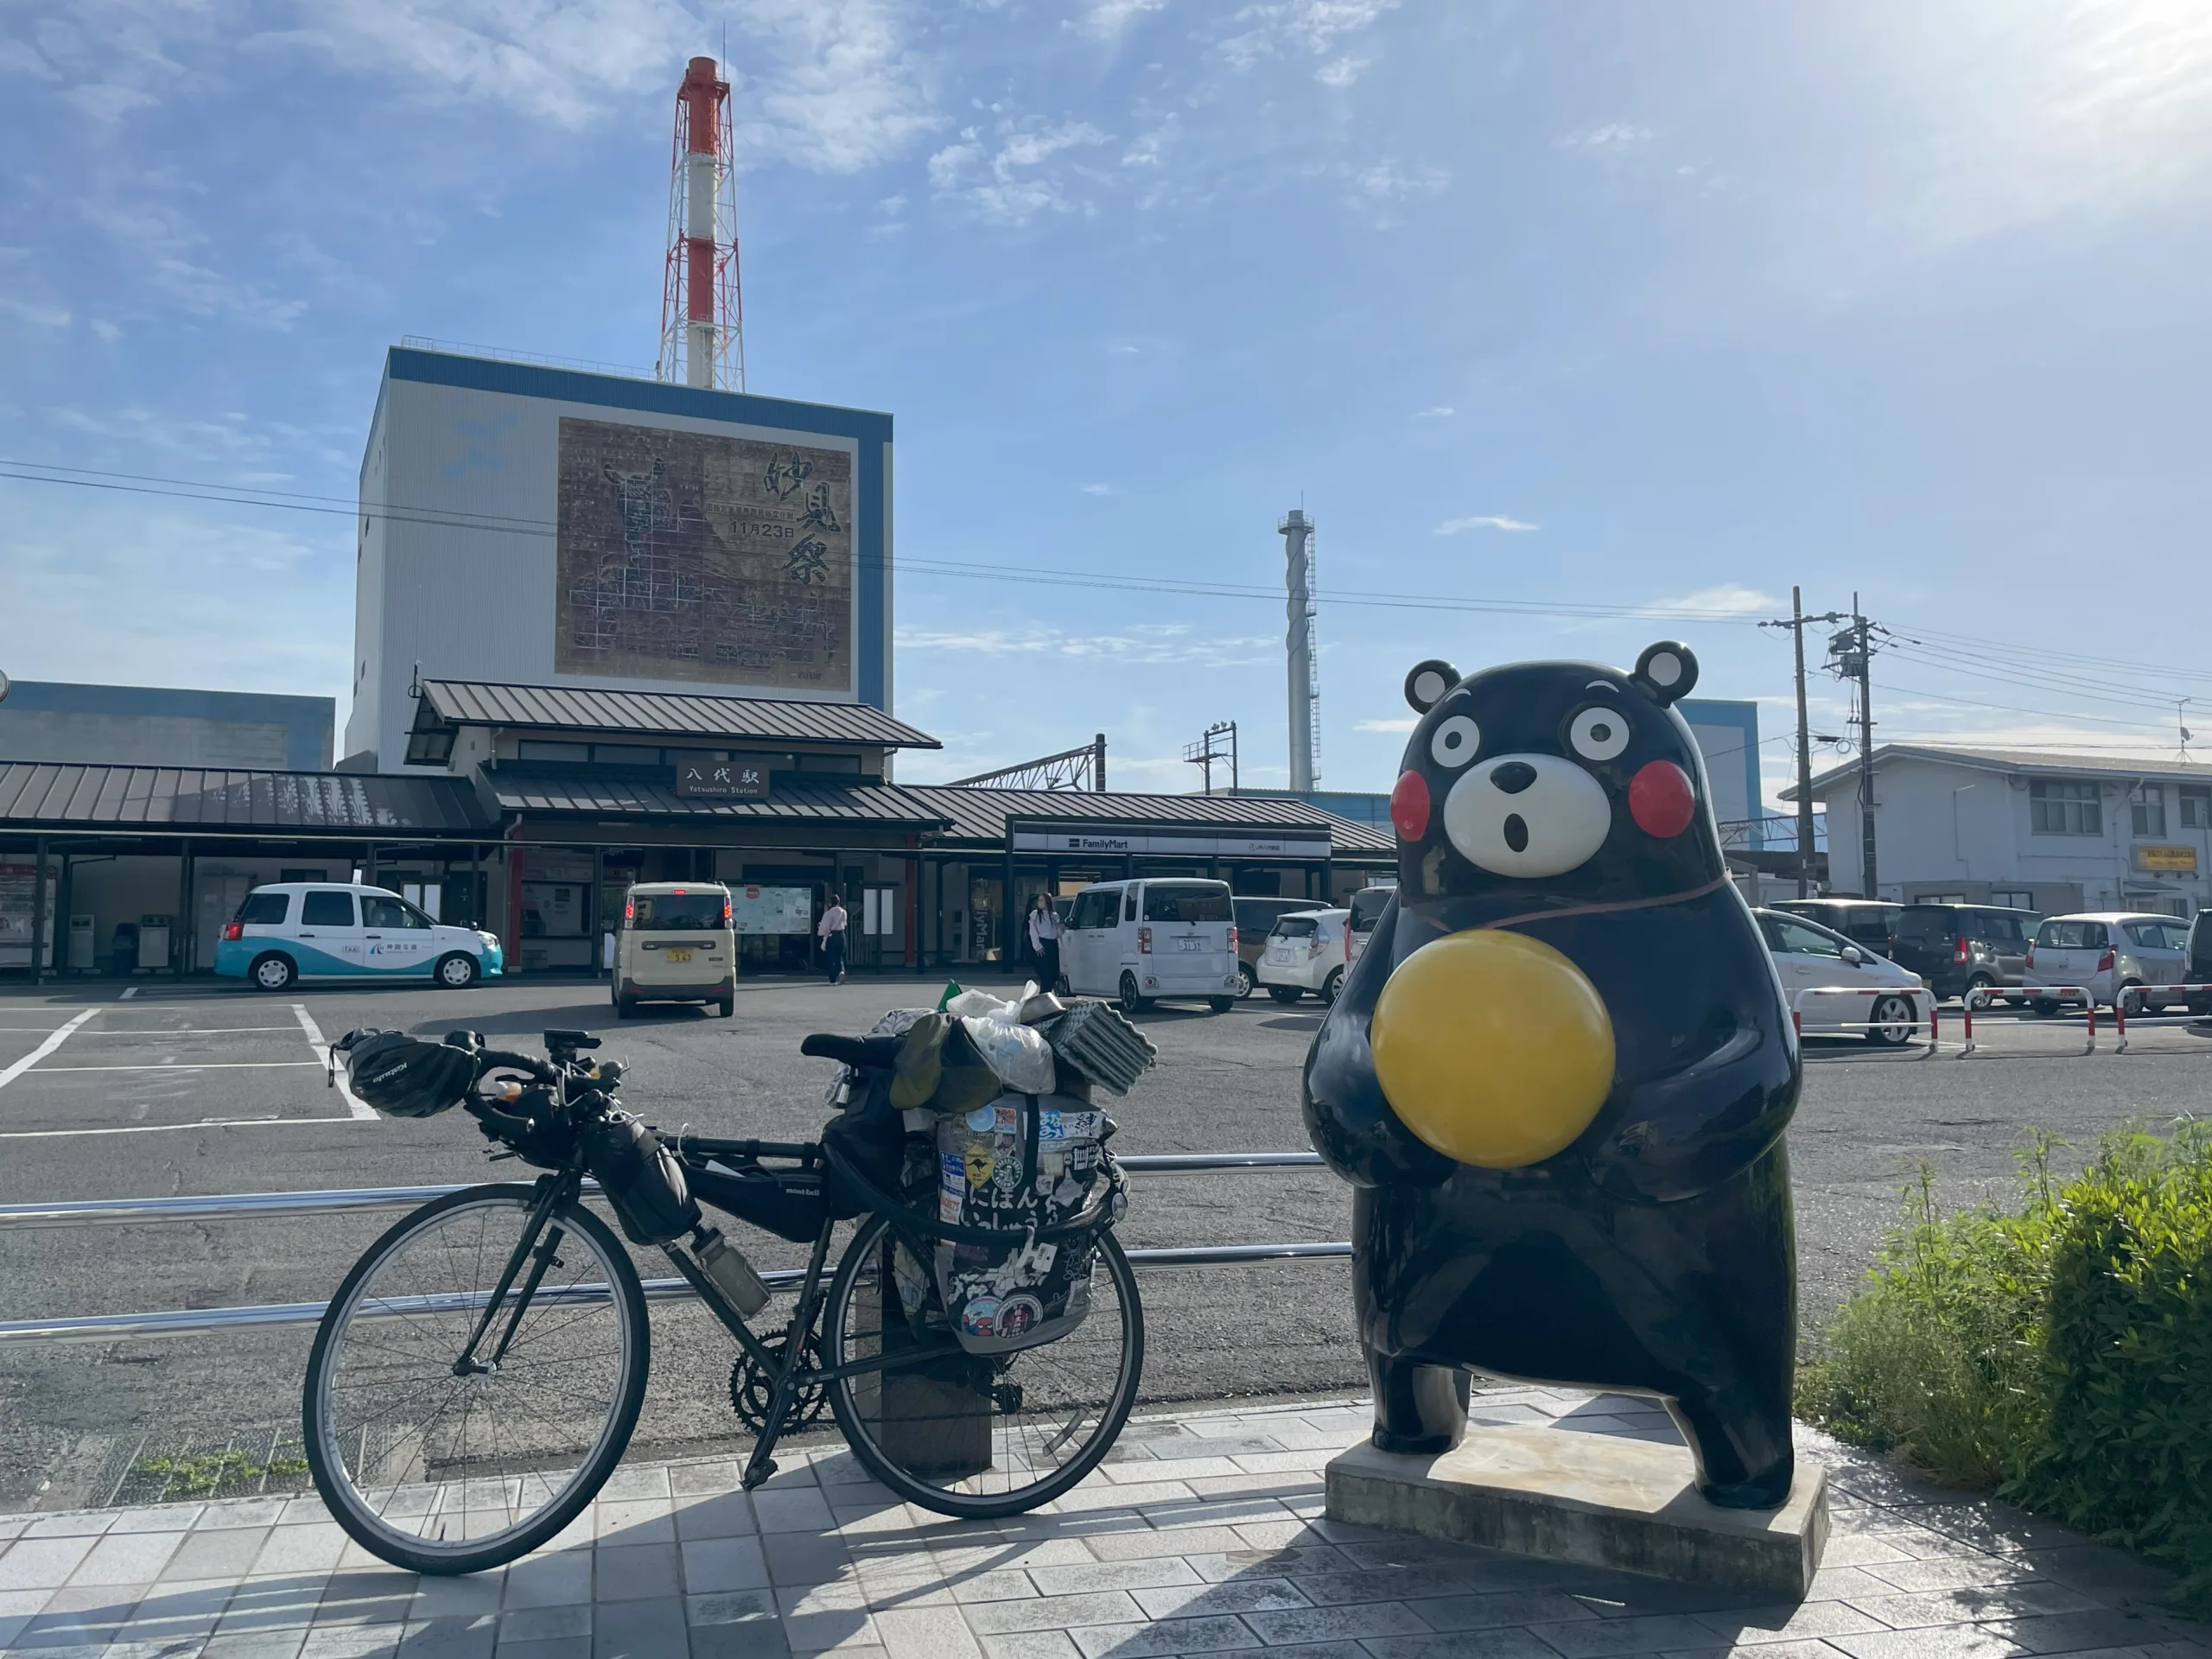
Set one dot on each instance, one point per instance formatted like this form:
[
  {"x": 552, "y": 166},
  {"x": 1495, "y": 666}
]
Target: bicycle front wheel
[
  {"x": 977, "y": 1435},
  {"x": 441, "y": 1451}
]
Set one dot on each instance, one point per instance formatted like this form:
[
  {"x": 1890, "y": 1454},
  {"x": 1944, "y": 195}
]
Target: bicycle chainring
[{"x": 750, "y": 1388}]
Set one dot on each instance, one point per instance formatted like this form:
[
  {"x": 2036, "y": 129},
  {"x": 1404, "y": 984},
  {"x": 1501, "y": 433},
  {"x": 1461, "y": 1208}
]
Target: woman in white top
[
  {"x": 831, "y": 931},
  {"x": 1044, "y": 941}
]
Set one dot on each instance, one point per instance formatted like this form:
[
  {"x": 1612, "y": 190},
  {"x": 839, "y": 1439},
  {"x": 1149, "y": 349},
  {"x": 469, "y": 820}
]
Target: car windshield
[
  {"x": 683, "y": 912},
  {"x": 1919, "y": 922},
  {"x": 2071, "y": 935},
  {"x": 1185, "y": 901},
  {"x": 1367, "y": 907},
  {"x": 264, "y": 909},
  {"x": 1296, "y": 927}
]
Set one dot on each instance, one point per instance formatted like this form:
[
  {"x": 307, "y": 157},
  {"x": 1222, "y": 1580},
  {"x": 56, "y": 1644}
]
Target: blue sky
[{"x": 1557, "y": 310}]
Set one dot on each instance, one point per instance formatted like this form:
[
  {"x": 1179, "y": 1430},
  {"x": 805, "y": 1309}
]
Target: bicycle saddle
[{"x": 861, "y": 1053}]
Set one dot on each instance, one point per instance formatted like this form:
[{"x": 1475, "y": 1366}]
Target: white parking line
[
  {"x": 129, "y": 991},
  {"x": 209, "y": 1065},
  {"x": 185, "y": 1031},
  {"x": 54, "y": 1040},
  {"x": 356, "y": 1106},
  {"x": 164, "y": 1128}
]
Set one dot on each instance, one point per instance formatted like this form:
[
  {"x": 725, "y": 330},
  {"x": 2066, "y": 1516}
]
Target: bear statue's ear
[
  {"x": 1665, "y": 671},
  {"x": 1427, "y": 684}
]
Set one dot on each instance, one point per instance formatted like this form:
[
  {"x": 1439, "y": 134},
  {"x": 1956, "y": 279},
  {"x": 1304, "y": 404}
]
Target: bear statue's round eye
[
  {"x": 1456, "y": 741},
  {"x": 1598, "y": 734}
]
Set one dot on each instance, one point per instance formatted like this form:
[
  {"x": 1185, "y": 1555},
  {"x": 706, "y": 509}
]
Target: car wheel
[
  {"x": 1285, "y": 993},
  {"x": 1247, "y": 979},
  {"x": 2131, "y": 1001},
  {"x": 1221, "y": 1004},
  {"x": 457, "y": 970},
  {"x": 1891, "y": 1024},
  {"x": 1332, "y": 988},
  {"x": 626, "y": 1008},
  {"x": 1979, "y": 987},
  {"x": 273, "y": 972},
  {"x": 1132, "y": 1003},
  {"x": 727, "y": 1006},
  {"x": 2044, "y": 1006}
]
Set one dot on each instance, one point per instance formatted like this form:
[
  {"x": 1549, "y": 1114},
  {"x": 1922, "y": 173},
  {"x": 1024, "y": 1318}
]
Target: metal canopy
[{"x": 445, "y": 705}]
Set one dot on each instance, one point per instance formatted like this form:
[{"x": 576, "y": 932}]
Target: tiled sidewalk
[{"x": 1204, "y": 1536}]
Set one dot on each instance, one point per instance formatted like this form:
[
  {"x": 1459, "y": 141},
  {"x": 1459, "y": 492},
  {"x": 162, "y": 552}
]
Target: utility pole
[
  {"x": 1854, "y": 653},
  {"x": 1796, "y": 623},
  {"x": 1205, "y": 753}
]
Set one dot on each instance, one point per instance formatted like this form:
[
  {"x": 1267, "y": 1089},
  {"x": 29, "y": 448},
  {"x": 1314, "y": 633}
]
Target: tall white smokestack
[{"x": 1297, "y": 532}]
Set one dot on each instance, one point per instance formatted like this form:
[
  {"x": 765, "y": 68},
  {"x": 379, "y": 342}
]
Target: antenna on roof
[
  {"x": 2180, "y": 704},
  {"x": 415, "y": 682}
]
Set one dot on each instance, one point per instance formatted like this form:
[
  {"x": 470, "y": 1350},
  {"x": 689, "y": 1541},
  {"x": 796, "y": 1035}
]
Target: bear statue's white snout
[{"x": 1527, "y": 815}]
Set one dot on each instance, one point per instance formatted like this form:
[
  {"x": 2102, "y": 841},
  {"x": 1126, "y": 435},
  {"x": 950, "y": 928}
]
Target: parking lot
[{"x": 200, "y": 1089}]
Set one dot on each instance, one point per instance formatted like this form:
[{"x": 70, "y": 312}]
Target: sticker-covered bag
[{"x": 1021, "y": 1164}]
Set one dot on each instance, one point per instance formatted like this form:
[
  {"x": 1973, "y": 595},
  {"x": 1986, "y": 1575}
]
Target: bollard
[
  {"x": 1965, "y": 1017},
  {"x": 2091, "y": 1048},
  {"x": 2120, "y": 1023}
]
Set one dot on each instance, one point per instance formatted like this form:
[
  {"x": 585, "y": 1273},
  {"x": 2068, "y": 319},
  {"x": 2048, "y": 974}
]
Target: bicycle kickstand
[{"x": 761, "y": 1466}]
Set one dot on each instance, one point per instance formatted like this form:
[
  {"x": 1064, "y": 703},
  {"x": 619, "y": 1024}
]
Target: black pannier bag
[
  {"x": 641, "y": 1179},
  {"x": 405, "y": 1076}
]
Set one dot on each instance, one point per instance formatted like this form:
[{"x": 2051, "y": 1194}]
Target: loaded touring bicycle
[{"x": 476, "y": 1378}]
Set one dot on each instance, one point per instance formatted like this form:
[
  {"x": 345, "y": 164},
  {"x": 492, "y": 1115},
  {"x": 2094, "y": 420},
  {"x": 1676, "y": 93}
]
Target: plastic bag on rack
[{"x": 1018, "y": 1055}]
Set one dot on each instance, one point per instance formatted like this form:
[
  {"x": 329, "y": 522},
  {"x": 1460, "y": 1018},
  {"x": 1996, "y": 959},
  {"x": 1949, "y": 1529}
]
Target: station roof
[
  {"x": 978, "y": 815},
  {"x": 34, "y": 795},
  {"x": 623, "y": 793},
  {"x": 445, "y": 705}
]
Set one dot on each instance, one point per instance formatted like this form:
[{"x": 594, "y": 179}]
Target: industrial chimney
[
  {"x": 1297, "y": 532},
  {"x": 703, "y": 311}
]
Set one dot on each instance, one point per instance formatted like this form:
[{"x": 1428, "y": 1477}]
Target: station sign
[
  {"x": 1173, "y": 846},
  {"x": 722, "y": 780}
]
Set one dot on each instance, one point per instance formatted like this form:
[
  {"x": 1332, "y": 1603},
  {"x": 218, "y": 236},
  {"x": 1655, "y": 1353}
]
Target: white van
[
  {"x": 1162, "y": 937},
  {"x": 327, "y": 929},
  {"x": 677, "y": 946}
]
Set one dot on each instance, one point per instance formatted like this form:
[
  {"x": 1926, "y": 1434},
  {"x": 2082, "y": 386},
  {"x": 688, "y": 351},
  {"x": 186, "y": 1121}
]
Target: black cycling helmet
[{"x": 405, "y": 1076}]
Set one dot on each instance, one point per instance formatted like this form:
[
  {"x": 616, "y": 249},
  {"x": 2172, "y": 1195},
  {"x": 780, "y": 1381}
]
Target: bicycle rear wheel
[
  {"x": 976, "y": 1435},
  {"x": 441, "y": 1466}
]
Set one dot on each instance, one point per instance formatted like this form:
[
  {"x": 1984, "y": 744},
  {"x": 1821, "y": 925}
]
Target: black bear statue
[{"x": 1559, "y": 1075}]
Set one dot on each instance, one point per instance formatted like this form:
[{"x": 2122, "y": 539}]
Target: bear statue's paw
[{"x": 1769, "y": 1490}]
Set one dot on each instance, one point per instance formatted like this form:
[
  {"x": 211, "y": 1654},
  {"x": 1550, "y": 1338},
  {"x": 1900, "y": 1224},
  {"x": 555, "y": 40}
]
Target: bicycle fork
[{"x": 786, "y": 1377}]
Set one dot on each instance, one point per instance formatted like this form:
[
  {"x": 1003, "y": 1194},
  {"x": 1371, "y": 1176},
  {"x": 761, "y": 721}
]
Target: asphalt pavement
[{"x": 198, "y": 1089}]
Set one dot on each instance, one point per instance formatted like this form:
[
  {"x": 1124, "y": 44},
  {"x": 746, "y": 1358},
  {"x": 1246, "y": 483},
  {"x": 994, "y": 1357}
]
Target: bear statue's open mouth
[{"x": 1527, "y": 815}]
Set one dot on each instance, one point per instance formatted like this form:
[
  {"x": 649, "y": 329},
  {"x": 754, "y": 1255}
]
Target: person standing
[
  {"x": 1044, "y": 941},
  {"x": 832, "y": 934}
]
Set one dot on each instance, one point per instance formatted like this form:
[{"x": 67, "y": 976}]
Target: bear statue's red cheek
[
  {"x": 1661, "y": 799},
  {"x": 1409, "y": 806}
]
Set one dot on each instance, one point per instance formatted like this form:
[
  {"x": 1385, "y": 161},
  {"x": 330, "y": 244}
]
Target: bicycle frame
[{"x": 556, "y": 1188}]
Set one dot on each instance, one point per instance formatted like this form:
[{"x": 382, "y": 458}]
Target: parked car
[
  {"x": 2199, "y": 971},
  {"x": 1310, "y": 951},
  {"x": 1367, "y": 907},
  {"x": 1158, "y": 938},
  {"x": 2106, "y": 953},
  {"x": 1836, "y": 987},
  {"x": 1868, "y": 922},
  {"x": 1962, "y": 949},
  {"x": 676, "y": 945},
  {"x": 292, "y": 930},
  {"x": 1253, "y": 918}
]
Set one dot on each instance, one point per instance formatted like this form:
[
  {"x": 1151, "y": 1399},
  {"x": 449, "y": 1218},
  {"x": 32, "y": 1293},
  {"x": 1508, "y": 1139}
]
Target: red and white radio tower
[{"x": 701, "y": 311}]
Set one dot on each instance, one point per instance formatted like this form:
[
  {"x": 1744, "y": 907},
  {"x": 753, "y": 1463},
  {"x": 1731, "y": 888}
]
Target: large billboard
[{"x": 689, "y": 555}]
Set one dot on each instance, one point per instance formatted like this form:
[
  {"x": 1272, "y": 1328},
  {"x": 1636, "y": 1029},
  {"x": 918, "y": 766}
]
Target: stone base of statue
[{"x": 1597, "y": 1499}]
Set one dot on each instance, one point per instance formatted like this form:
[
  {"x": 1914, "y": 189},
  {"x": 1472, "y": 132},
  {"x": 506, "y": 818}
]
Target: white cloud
[
  {"x": 1435, "y": 412},
  {"x": 35, "y": 316},
  {"x": 1729, "y": 598},
  {"x": 1480, "y": 521},
  {"x": 1379, "y": 190},
  {"x": 105, "y": 101},
  {"x": 1612, "y": 137},
  {"x": 1400, "y": 723},
  {"x": 1012, "y": 183},
  {"x": 1341, "y": 72},
  {"x": 1278, "y": 27},
  {"x": 1098, "y": 489},
  {"x": 1104, "y": 20},
  {"x": 21, "y": 58},
  {"x": 1139, "y": 643}
]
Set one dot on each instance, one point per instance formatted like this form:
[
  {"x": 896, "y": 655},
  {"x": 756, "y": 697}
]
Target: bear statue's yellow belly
[{"x": 1492, "y": 1047}]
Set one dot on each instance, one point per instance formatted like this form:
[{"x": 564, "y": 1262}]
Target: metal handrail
[
  {"x": 249, "y": 1206},
  {"x": 257, "y": 1206}
]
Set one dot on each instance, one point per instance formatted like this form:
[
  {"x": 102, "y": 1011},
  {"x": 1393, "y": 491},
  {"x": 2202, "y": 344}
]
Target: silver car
[{"x": 2106, "y": 953}]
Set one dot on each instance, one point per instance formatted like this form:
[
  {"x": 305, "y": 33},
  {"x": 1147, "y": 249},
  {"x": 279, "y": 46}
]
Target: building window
[
  {"x": 2195, "y": 807},
  {"x": 2064, "y": 806},
  {"x": 2013, "y": 898},
  {"x": 2146, "y": 807}
]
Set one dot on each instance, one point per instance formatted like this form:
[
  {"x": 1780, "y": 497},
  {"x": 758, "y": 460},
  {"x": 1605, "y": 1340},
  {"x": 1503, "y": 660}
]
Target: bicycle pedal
[{"x": 758, "y": 1474}]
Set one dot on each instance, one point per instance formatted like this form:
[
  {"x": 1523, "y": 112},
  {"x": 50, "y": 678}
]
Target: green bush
[{"x": 2060, "y": 1353}]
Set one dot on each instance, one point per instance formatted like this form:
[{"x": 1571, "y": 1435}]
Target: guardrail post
[{"x": 2120, "y": 1022}]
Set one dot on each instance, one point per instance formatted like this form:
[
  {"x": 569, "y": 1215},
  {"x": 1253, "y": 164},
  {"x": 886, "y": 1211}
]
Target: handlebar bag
[
  {"x": 405, "y": 1076},
  {"x": 1019, "y": 1164},
  {"x": 641, "y": 1179}
]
